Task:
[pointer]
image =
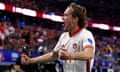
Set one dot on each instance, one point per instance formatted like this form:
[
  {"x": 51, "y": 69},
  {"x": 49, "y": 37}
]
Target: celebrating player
[{"x": 76, "y": 46}]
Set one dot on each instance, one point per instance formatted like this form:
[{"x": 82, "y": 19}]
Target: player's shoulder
[
  {"x": 86, "y": 32},
  {"x": 64, "y": 34}
]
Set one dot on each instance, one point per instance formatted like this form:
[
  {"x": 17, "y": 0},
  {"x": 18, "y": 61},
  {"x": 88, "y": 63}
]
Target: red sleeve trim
[
  {"x": 88, "y": 46},
  {"x": 88, "y": 66}
]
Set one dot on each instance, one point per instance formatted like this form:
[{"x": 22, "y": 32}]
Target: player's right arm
[
  {"x": 52, "y": 56},
  {"x": 48, "y": 57}
]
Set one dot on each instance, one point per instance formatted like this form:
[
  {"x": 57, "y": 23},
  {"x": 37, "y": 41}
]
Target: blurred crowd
[
  {"x": 14, "y": 37},
  {"x": 38, "y": 5},
  {"x": 101, "y": 11},
  {"x": 30, "y": 4},
  {"x": 107, "y": 53}
]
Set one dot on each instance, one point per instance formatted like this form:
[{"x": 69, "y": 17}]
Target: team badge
[
  {"x": 74, "y": 45},
  {"x": 63, "y": 46},
  {"x": 90, "y": 41}
]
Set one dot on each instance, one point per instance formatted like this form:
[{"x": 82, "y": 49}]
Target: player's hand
[
  {"x": 25, "y": 59},
  {"x": 64, "y": 54}
]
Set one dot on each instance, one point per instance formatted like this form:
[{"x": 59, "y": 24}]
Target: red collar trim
[{"x": 74, "y": 33}]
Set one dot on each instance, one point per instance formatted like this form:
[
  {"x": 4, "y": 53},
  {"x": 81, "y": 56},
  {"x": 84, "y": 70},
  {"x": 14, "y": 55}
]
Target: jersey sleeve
[{"x": 88, "y": 41}]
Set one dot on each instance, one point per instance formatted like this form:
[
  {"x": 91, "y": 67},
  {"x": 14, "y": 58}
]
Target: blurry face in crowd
[{"x": 69, "y": 21}]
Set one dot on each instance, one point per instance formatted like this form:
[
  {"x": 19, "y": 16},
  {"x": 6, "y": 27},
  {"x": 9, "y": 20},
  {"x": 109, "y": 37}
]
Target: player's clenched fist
[
  {"x": 25, "y": 59},
  {"x": 64, "y": 54}
]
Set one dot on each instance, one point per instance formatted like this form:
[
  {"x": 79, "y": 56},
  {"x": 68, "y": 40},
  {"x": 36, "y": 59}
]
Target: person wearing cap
[{"x": 20, "y": 67}]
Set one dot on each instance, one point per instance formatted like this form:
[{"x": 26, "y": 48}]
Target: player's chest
[{"x": 72, "y": 44}]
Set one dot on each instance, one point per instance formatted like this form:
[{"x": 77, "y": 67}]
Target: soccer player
[{"x": 76, "y": 46}]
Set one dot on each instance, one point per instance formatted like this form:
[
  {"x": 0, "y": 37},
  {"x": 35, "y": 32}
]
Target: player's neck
[{"x": 75, "y": 31}]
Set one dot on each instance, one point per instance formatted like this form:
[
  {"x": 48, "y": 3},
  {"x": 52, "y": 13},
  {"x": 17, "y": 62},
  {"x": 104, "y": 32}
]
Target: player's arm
[
  {"x": 52, "y": 56},
  {"x": 87, "y": 53},
  {"x": 88, "y": 48}
]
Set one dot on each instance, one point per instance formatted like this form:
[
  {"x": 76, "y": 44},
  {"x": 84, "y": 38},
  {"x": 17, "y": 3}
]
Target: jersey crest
[
  {"x": 74, "y": 45},
  {"x": 63, "y": 46}
]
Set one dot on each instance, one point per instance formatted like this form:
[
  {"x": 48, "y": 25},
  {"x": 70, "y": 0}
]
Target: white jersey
[{"x": 76, "y": 43}]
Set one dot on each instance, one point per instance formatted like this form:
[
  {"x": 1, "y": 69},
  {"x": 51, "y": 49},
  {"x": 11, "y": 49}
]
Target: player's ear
[{"x": 75, "y": 19}]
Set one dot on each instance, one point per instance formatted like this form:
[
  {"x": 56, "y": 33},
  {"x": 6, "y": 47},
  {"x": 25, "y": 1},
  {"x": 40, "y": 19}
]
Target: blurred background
[{"x": 38, "y": 23}]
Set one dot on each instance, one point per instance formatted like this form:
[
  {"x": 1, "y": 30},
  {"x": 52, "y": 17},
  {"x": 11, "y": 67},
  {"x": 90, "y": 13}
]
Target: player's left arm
[
  {"x": 88, "y": 49},
  {"x": 87, "y": 53}
]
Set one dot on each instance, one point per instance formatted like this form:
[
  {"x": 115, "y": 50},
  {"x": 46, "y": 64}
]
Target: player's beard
[
  {"x": 63, "y": 25},
  {"x": 66, "y": 26}
]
